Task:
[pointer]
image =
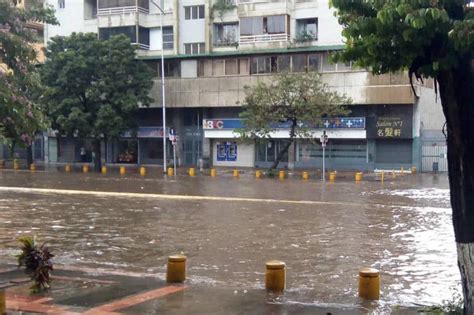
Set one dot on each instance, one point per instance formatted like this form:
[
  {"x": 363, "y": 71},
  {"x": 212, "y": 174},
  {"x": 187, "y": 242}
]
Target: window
[
  {"x": 61, "y": 4},
  {"x": 221, "y": 67},
  {"x": 194, "y": 48},
  {"x": 225, "y": 34},
  {"x": 314, "y": 62},
  {"x": 129, "y": 31},
  {"x": 194, "y": 12},
  {"x": 299, "y": 63},
  {"x": 259, "y": 25},
  {"x": 307, "y": 29},
  {"x": 168, "y": 38},
  {"x": 269, "y": 64},
  {"x": 328, "y": 65},
  {"x": 172, "y": 68}
]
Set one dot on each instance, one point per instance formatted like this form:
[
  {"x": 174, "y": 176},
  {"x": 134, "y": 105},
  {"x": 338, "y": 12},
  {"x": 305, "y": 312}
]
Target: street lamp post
[{"x": 163, "y": 103}]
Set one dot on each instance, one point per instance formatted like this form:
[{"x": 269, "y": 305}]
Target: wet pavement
[{"x": 228, "y": 228}]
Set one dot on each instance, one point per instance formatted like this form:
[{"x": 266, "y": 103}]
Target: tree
[
  {"x": 20, "y": 115},
  {"x": 299, "y": 100},
  {"x": 94, "y": 87},
  {"x": 429, "y": 38}
]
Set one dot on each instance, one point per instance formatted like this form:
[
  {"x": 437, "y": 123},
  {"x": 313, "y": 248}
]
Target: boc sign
[{"x": 213, "y": 124}]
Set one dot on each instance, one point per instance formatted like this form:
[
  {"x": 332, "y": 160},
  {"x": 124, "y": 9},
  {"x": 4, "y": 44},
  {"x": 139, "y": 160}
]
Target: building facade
[{"x": 213, "y": 49}]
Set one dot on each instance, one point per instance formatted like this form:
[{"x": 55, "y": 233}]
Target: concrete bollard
[
  {"x": 85, "y": 168},
  {"x": 258, "y": 174},
  {"x": 170, "y": 171},
  {"x": 369, "y": 283},
  {"x": 394, "y": 174},
  {"x": 358, "y": 176},
  {"x": 103, "y": 170},
  {"x": 67, "y": 168},
  {"x": 401, "y": 170},
  {"x": 176, "y": 270},
  {"x": 3, "y": 302},
  {"x": 305, "y": 175},
  {"x": 275, "y": 276},
  {"x": 213, "y": 172},
  {"x": 122, "y": 170},
  {"x": 332, "y": 176},
  {"x": 16, "y": 164},
  {"x": 32, "y": 167},
  {"x": 192, "y": 172},
  {"x": 281, "y": 174},
  {"x": 236, "y": 173},
  {"x": 413, "y": 170},
  {"x": 142, "y": 171}
]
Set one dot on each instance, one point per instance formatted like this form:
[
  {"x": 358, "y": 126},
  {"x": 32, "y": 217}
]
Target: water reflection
[{"x": 403, "y": 228}]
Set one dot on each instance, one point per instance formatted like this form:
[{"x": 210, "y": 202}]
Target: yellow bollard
[
  {"x": 236, "y": 173},
  {"x": 85, "y": 168},
  {"x": 192, "y": 172},
  {"x": 2, "y": 164},
  {"x": 170, "y": 171},
  {"x": 258, "y": 174},
  {"x": 67, "y": 168},
  {"x": 413, "y": 170},
  {"x": 332, "y": 176},
  {"x": 3, "y": 302},
  {"x": 401, "y": 170},
  {"x": 176, "y": 271},
  {"x": 142, "y": 171},
  {"x": 32, "y": 167},
  {"x": 213, "y": 172},
  {"x": 275, "y": 276},
  {"x": 369, "y": 283},
  {"x": 382, "y": 175},
  {"x": 358, "y": 176},
  {"x": 103, "y": 170},
  {"x": 122, "y": 170},
  {"x": 305, "y": 175},
  {"x": 16, "y": 164},
  {"x": 281, "y": 174},
  {"x": 393, "y": 174}
]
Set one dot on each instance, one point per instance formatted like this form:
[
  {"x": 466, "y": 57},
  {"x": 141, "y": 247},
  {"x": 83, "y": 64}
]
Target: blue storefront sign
[{"x": 323, "y": 123}]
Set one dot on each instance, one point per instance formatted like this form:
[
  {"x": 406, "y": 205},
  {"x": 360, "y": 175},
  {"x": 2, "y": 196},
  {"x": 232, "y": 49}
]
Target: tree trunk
[
  {"x": 29, "y": 155},
  {"x": 286, "y": 147},
  {"x": 97, "y": 158},
  {"x": 457, "y": 100}
]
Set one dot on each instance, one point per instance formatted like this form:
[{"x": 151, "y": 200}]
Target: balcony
[
  {"x": 264, "y": 38},
  {"x": 122, "y": 10}
]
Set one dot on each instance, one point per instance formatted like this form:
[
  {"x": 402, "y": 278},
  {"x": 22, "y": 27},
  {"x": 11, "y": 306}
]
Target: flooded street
[{"x": 324, "y": 232}]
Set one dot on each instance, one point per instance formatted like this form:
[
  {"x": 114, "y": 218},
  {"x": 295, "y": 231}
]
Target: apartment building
[{"x": 212, "y": 49}]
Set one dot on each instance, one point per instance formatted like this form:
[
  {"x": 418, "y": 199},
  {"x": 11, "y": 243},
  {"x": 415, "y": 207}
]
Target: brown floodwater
[{"x": 402, "y": 227}]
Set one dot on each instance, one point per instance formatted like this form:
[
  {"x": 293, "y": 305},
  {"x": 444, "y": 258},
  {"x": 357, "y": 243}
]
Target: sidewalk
[{"x": 90, "y": 292}]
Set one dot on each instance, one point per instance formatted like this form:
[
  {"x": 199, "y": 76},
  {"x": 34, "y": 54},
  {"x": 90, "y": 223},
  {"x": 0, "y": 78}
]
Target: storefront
[
  {"x": 347, "y": 147},
  {"x": 145, "y": 148}
]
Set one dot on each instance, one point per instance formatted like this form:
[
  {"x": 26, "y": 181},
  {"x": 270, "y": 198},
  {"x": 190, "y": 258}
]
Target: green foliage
[
  {"x": 423, "y": 36},
  {"x": 301, "y": 99},
  {"x": 305, "y": 37},
  {"x": 453, "y": 306},
  {"x": 221, "y": 7},
  {"x": 94, "y": 87},
  {"x": 20, "y": 115},
  {"x": 37, "y": 262}
]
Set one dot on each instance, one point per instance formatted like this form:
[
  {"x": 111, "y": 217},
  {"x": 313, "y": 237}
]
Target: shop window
[
  {"x": 227, "y": 152},
  {"x": 267, "y": 151},
  {"x": 299, "y": 63}
]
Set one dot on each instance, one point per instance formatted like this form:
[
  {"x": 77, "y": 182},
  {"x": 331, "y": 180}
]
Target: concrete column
[{"x": 292, "y": 156}]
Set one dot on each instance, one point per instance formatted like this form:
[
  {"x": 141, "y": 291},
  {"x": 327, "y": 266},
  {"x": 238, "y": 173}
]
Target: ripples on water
[{"x": 405, "y": 231}]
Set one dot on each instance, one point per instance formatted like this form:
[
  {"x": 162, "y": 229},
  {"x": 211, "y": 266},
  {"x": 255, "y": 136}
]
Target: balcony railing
[
  {"x": 121, "y": 10},
  {"x": 265, "y": 38},
  {"x": 141, "y": 46}
]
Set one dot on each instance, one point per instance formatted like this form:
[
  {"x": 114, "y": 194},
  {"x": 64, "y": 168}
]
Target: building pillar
[{"x": 292, "y": 155}]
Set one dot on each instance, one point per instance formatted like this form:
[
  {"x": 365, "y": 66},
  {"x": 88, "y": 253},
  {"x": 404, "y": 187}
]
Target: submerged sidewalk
[{"x": 97, "y": 292}]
